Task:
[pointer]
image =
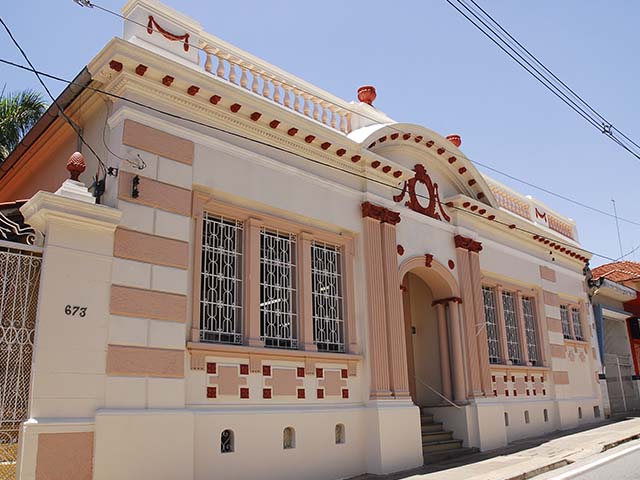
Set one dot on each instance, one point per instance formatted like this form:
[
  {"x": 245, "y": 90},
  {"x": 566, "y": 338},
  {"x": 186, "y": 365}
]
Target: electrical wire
[
  {"x": 53, "y": 99},
  {"x": 597, "y": 120},
  {"x": 335, "y": 167}
]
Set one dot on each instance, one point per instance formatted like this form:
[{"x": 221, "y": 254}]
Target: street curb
[
  {"x": 540, "y": 470},
  {"x": 611, "y": 445}
]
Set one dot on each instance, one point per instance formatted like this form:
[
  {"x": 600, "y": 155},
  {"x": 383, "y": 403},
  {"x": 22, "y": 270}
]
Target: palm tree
[{"x": 18, "y": 113}]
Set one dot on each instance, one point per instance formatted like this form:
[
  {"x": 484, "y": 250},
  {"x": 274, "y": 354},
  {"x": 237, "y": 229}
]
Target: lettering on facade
[
  {"x": 435, "y": 208},
  {"x": 541, "y": 215}
]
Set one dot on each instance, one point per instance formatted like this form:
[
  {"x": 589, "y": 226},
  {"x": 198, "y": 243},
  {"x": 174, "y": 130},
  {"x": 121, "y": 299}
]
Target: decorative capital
[
  {"x": 467, "y": 243},
  {"x": 444, "y": 301},
  {"x": 428, "y": 260},
  {"x": 382, "y": 214}
]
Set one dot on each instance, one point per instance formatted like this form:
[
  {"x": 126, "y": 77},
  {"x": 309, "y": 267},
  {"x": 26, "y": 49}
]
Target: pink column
[
  {"x": 351, "y": 333},
  {"x": 395, "y": 321},
  {"x": 478, "y": 306},
  {"x": 443, "y": 338},
  {"x": 470, "y": 321},
  {"x": 456, "y": 350},
  {"x": 378, "y": 349},
  {"x": 252, "y": 279},
  {"x": 305, "y": 298}
]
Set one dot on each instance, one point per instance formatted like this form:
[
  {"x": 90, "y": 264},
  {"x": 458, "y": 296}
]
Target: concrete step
[
  {"x": 435, "y": 457},
  {"x": 432, "y": 427},
  {"x": 428, "y": 437},
  {"x": 437, "y": 446},
  {"x": 426, "y": 417}
]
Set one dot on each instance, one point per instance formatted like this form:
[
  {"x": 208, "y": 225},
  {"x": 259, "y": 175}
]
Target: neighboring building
[
  {"x": 276, "y": 283},
  {"x": 616, "y": 312}
]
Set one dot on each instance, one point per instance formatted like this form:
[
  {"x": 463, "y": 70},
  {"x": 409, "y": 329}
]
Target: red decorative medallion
[
  {"x": 153, "y": 25},
  {"x": 433, "y": 196}
]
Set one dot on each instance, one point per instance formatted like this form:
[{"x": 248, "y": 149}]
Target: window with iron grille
[
  {"x": 491, "y": 321},
  {"x": 221, "y": 280},
  {"x": 278, "y": 289},
  {"x": 328, "y": 310},
  {"x": 564, "y": 316},
  {"x": 530, "y": 329},
  {"x": 511, "y": 327},
  {"x": 577, "y": 325}
]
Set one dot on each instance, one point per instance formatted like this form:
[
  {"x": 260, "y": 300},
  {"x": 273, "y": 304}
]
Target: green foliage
[{"x": 18, "y": 113}]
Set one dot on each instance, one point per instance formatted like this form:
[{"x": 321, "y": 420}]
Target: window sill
[
  {"x": 577, "y": 343},
  {"x": 518, "y": 368},
  {"x": 224, "y": 350}
]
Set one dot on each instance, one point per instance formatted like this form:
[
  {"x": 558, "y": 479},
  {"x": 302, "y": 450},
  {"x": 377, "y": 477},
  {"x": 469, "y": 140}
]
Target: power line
[
  {"x": 53, "y": 99},
  {"x": 335, "y": 167},
  {"x": 597, "y": 120}
]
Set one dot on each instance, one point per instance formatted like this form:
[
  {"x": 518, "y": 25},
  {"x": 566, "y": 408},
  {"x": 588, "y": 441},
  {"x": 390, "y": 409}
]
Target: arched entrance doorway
[{"x": 432, "y": 332}]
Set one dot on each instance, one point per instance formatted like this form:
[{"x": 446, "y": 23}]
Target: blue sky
[{"x": 430, "y": 67}]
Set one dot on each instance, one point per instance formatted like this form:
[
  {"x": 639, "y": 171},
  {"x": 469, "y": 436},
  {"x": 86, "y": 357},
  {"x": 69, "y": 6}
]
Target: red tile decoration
[
  {"x": 211, "y": 368},
  {"x": 325, "y": 145},
  {"x": 300, "y": 372},
  {"x": 452, "y": 264},
  {"x": 167, "y": 80},
  {"x": 292, "y": 131},
  {"x": 344, "y": 373},
  {"x": 255, "y": 116},
  {"x": 430, "y": 143},
  {"x": 320, "y": 393},
  {"x": 345, "y": 393},
  {"x": 274, "y": 123},
  {"x": 193, "y": 89},
  {"x": 266, "y": 370},
  {"x": 356, "y": 158},
  {"x": 309, "y": 138},
  {"x": 215, "y": 99},
  {"x": 266, "y": 393},
  {"x": 244, "y": 392},
  {"x": 115, "y": 65},
  {"x": 244, "y": 369},
  {"x": 340, "y": 152},
  {"x": 301, "y": 393},
  {"x": 141, "y": 69},
  {"x": 375, "y": 164},
  {"x": 235, "y": 107},
  {"x": 319, "y": 373},
  {"x": 211, "y": 392}
]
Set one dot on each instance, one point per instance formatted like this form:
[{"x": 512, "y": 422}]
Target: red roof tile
[{"x": 618, "y": 271}]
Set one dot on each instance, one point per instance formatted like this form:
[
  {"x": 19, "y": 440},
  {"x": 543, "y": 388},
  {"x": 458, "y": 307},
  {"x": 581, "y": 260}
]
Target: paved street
[{"x": 620, "y": 463}]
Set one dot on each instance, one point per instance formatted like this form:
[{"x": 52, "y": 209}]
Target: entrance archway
[{"x": 432, "y": 331}]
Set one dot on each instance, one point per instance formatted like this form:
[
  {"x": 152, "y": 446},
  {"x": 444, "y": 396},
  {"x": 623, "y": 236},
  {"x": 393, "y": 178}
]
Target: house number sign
[{"x": 75, "y": 310}]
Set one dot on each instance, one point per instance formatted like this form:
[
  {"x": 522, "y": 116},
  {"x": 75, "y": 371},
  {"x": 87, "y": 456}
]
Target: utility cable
[{"x": 335, "y": 167}]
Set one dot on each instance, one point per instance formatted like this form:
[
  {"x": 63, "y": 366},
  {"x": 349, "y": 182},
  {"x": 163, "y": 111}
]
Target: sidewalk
[{"x": 527, "y": 458}]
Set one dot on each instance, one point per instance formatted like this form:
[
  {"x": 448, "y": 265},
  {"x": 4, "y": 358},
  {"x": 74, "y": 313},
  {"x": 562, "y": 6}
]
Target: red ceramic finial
[
  {"x": 455, "y": 139},
  {"x": 76, "y": 165},
  {"x": 367, "y": 94}
]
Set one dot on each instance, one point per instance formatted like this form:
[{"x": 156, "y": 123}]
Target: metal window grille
[
  {"x": 490, "y": 315},
  {"x": 19, "y": 286},
  {"x": 278, "y": 292},
  {"x": 221, "y": 280},
  {"x": 226, "y": 441},
  {"x": 328, "y": 309},
  {"x": 577, "y": 325},
  {"x": 288, "y": 438},
  {"x": 564, "y": 316},
  {"x": 531, "y": 330},
  {"x": 511, "y": 327}
]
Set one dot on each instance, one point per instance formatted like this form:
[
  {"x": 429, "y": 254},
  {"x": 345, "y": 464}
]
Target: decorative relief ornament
[
  {"x": 153, "y": 26},
  {"x": 467, "y": 243},
  {"x": 409, "y": 187}
]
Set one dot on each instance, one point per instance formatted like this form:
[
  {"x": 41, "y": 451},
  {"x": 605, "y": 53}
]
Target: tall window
[
  {"x": 328, "y": 311},
  {"x": 577, "y": 325},
  {"x": 530, "y": 329},
  {"x": 564, "y": 316},
  {"x": 511, "y": 327},
  {"x": 491, "y": 320},
  {"x": 278, "y": 293},
  {"x": 221, "y": 280}
]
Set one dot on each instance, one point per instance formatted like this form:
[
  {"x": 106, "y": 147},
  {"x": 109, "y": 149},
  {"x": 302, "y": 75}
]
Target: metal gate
[
  {"x": 622, "y": 392},
  {"x": 19, "y": 285}
]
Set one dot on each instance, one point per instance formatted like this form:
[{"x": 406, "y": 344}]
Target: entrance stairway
[{"x": 437, "y": 443}]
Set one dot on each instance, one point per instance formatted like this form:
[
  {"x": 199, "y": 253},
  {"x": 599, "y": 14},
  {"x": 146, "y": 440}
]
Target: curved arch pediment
[{"x": 409, "y": 144}]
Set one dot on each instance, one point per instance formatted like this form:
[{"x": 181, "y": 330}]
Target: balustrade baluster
[
  {"x": 266, "y": 90},
  {"x": 334, "y": 120},
  {"x": 208, "y": 64},
  {"x": 306, "y": 99},
  {"x": 316, "y": 109},
  {"x": 232, "y": 71},
  {"x": 244, "y": 80},
  {"x": 255, "y": 87},
  {"x": 347, "y": 122},
  {"x": 325, "y": 113},
  {"x": 297, "y": 103},
  {"x": 276, "y": 91},
  {"x": 220, "y": 69},
  {"x": 287, "y": 95}
]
